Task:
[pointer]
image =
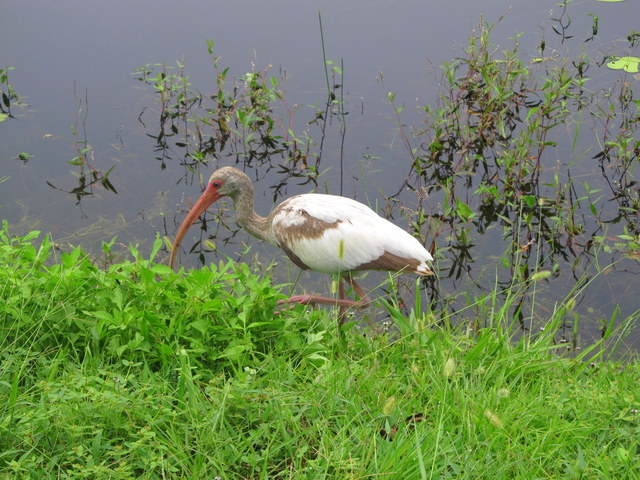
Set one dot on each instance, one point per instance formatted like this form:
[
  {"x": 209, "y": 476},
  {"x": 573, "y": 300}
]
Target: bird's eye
[{"x": 217, "y": 184}]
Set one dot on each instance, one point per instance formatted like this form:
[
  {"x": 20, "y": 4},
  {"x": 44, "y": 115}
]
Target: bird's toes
[{"x": 297, "y": 299}]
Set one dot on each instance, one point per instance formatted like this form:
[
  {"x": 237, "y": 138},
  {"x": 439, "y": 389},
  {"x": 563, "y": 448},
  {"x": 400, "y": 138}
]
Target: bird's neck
[{"x": 248, "y": 219}]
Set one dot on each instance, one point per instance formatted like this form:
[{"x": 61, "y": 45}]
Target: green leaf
[
  {"x": 101, "y": 315},
  {"x": 233, "y": 352},
  {"x": 530, "y": 200},
  {"x": 201, "y": 325},
  {"x": 464, "y": 211},
  {"x": 157, "y": 245},
  {"x": 628, "y": 64}
]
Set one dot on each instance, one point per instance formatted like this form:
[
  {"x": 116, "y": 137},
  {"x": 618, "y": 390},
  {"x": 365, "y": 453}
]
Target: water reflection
[
  {"x": 488, "y": 154},
  {"x": 88, "y": 176}
]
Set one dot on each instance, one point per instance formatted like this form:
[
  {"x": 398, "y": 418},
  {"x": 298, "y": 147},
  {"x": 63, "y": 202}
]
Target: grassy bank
[{"x": 139, "y": 372}]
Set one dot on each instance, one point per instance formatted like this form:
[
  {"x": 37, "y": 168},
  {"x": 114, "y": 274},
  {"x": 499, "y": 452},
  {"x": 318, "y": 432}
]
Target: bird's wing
[{"x": 336, "y": 234}]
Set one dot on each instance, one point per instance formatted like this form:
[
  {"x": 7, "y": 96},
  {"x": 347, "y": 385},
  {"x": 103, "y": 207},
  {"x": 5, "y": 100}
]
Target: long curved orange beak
[{"x": 209, "y": 196}]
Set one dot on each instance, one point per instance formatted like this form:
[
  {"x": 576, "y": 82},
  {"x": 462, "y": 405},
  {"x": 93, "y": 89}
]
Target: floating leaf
[{"x": 628, "y": 64}]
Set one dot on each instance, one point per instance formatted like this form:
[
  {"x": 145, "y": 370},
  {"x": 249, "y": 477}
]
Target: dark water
[{"x": 74, "y": 67}]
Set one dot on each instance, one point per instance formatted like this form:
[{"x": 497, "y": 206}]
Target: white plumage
[{"x": 353, "y": 234}]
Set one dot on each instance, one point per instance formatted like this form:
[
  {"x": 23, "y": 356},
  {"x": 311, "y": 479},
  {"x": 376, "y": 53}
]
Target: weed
[
  {"x": 235, "y": 120},
  {"x": 9, "y": 95},
  {"x": 88, "y": 175},
  {"x": 487, "y": 165},
  {"x": 140, "y": 372}
]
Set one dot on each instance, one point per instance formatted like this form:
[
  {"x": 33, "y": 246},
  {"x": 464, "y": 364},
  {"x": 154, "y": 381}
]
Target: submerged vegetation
[
  {"x": 490, "y": 155},
  {"x": 140, "y": 372}
]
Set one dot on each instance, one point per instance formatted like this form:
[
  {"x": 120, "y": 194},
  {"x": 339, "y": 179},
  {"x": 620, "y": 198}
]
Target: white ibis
[{"x": 325, "y": 233}]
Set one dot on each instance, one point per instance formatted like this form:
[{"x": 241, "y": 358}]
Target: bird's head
[
  {"x": 224, "y": 182},
  {"x": 227, "y": 182}
]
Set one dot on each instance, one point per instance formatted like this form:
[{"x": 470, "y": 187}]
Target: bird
[{"x": 325, "y": 233}]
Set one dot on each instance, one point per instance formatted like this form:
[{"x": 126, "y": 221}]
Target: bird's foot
[
  {"x": 291, "y": 302},
  {"x": 320, "y": 300},
  {"x": 342, "y": 303},
  {"x": 299, "y": 299}
]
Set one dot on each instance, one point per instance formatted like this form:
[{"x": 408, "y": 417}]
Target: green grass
[{"x": 140, "y": 372}]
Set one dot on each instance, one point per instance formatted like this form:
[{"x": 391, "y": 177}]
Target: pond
[{"x": 363, "y": 105}]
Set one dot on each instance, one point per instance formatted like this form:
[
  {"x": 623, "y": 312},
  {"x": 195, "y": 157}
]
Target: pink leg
[{"x": 340, "y": 302}]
